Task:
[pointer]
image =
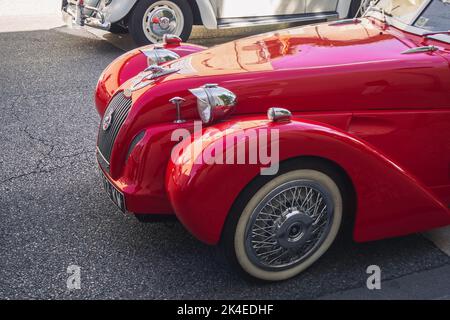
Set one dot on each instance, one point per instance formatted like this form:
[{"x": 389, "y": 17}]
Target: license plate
[{"x": 115, "y": 195}]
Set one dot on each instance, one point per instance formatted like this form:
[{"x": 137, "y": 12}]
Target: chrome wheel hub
[
  {"x": 161, "y": 18},
  {"x": 289, "y": 225},
  {"x": 293, "y": 228},
  {"x": 162, "y": 21}
]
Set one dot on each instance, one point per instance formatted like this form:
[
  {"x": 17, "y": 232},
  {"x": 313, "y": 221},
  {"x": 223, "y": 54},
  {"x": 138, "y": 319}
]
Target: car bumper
[
  {"x": 133, "y": 199},
  {"x": 84, "y": 15},
  {"x": 136, "y": 194}
]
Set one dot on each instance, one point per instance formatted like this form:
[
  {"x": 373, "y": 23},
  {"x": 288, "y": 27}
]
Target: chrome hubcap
[
  {"x": 289, "y": 225},
  {"x": 292, "y": 228},
  {"x": 162, "y": 21},
  {"x": 163, "y": 17}
]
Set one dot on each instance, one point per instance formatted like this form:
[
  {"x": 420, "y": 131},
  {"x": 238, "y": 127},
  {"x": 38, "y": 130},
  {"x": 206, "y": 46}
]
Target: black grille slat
[
  {"x": 121, "y": 106},
  {"x": 121, "y": 115}
]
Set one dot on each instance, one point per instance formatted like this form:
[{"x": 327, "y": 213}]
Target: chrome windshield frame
[{"x": 410, "y": 28}]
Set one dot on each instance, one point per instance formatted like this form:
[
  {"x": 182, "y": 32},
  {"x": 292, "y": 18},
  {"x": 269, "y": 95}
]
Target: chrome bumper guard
[{"x": 75, "y": 13}]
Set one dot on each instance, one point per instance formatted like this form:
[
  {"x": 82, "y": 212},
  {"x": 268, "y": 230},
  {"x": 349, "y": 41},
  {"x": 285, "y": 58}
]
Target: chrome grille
[{"x": 120, "y": 107}]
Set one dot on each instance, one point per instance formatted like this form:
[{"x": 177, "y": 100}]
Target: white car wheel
[
  {"x": 152, "y": 19},
  {"x": 162, "y": 17}
]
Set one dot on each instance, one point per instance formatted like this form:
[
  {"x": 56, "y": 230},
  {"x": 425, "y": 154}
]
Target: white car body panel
[
  {"x": 218, "y": 14},
  {"x": 257, "y": 8},
  {"x": 117, "y": 10},
  {"x": 213, "y": 10},
  {"x": 208, "y": 14}
]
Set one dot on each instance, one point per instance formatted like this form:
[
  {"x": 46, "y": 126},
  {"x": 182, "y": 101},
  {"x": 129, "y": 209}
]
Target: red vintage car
[{"x": 266, "y": 144}]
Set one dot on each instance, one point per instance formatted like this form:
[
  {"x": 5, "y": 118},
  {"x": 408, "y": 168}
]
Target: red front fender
[
  {"x": 390, "y": 201},
  {"x": 127, "y": 66}
]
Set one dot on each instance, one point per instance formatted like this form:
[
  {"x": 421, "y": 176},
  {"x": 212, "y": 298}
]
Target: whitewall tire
[{"x": 286, "y": 226}]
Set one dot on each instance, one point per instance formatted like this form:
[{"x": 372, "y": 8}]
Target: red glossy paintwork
[
  {"x": 126, "y": 67},
  {"x": 357, "y": 100},
  {"x": 143, "y": 175},
  {"x": 390, "y": 201}
]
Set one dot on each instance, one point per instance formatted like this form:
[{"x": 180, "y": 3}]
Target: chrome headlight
[
  {"x": 214, "y": 102},
  {"x": 159, "y": 55}
]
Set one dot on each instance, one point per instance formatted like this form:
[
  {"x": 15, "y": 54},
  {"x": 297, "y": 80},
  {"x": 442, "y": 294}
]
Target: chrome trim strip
[
  {"x": 344, "y": 22},
  {"x": 103, "y": 157},
  {"x": 421, "y": 49},
  {"x": 275, "y": 20}
]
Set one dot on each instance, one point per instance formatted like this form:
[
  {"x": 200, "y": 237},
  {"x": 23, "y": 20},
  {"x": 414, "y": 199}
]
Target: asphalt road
[{"x": 54, "y": 213}]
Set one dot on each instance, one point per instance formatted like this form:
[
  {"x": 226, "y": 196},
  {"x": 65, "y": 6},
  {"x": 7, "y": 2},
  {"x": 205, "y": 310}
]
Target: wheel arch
[
  {"x": 120, "y": 11},
  {"x": 331, "y": 168},
  {"x": 206, "y": 13},
  {"x": 192, "y": 4}
]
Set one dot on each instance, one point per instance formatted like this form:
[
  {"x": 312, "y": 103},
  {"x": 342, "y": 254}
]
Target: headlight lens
[
  {"x": 214, "y": 102},
  {"x": 205, "y": 111}
]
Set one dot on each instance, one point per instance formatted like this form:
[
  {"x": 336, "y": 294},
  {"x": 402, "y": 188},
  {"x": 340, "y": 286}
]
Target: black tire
[
  {"x": 229, "y": 234},
  {"x": 117, "y": 28},
  {"x": 137, "y": 15},
  {"x": 354, "y": 7}
]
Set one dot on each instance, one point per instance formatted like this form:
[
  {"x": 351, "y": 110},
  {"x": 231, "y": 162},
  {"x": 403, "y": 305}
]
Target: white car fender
[
  {"x": 207, "y": 13},
  {"x": 118, "y": 9}
]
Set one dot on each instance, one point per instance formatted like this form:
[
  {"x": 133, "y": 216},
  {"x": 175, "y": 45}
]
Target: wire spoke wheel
[
  {"x": 281, "y": 226},
  {"x": 288, "y": 225}
]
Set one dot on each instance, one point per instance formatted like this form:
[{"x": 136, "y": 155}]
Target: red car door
[
  {"x": 417, "y": 138},
  {"x": 445, "y": 53}
]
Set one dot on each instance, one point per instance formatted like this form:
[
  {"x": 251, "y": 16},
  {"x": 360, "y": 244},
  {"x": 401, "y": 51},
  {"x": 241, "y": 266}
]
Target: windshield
[
  {"x": 404, "y": 10},
  {"x": 432, "y": 16},
  {"x": 428, "y": 15},
  {"x": 436, "y": 16}
]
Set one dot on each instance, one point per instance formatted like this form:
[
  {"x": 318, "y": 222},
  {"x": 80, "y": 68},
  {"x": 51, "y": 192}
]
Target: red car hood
[
  {"x": 324, "y": 67},
  {"x": 299, "y": 48}
]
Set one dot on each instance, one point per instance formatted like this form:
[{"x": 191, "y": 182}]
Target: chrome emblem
[
  {"x": 107, "y": 120},
  {"x": 148, "y": 77},
  {"x": 128, "y": 92}
]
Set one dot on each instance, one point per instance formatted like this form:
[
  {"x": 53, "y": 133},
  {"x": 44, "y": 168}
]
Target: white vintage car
[{"x": 149, "y": 20}]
